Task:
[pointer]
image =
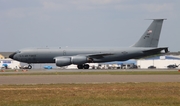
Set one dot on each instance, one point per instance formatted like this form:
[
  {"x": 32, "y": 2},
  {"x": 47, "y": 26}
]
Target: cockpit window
[{"x": 18, "y": 51}]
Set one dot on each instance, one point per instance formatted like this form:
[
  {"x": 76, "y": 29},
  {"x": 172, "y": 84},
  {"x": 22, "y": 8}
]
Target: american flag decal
[{"x": 149, "y": 32}]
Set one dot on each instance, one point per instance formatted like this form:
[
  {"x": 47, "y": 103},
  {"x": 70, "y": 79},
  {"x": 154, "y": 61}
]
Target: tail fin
[{"x": 150, "y": 38}]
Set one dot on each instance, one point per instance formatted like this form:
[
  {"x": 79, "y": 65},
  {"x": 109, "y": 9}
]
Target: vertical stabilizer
[{"x": 151, "y": 36}]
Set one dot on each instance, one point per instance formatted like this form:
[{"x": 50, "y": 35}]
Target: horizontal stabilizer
[{"x": 157, "y": 50}]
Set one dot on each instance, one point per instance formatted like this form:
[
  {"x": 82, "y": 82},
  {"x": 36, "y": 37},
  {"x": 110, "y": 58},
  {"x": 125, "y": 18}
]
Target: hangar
[
  {"x": 5, "y": 62},
  {"x": 9, "y": 63},
  {"x": 160, "y": 62}
]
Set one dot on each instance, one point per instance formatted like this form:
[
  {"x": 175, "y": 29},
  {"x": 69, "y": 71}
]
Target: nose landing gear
[{"x": 29, "y": 66}]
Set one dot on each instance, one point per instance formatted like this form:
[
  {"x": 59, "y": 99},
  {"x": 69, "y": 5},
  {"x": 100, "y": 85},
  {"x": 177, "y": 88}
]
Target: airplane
[{"x": 147, "y": 45}]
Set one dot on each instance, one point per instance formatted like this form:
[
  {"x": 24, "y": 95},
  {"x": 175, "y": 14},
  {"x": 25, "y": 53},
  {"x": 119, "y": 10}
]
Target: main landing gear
[{"x": 83, "y": 66}]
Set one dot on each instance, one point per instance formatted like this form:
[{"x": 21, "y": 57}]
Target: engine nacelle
[
  {"x": 63, "y": 61},
  {"x": 78, "y": 60}
]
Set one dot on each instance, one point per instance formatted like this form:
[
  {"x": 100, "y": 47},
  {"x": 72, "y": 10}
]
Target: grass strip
[
  {"x": 105, "y": 72},
  {"x": 114, "y": 94}
]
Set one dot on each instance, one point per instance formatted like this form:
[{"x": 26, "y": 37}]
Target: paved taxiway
[{"x": 55, "y": 79}]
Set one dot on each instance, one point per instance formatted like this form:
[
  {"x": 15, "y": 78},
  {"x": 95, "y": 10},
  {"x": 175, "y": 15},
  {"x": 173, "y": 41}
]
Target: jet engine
[
  {"x": 78, "y": 60},
  {"x": 63, "y": 61}
]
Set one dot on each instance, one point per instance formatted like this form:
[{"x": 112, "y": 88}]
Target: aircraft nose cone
[{"x": 12, "y": 55}]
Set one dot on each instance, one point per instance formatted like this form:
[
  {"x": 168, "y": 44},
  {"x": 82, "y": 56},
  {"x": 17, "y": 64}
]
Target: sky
[{"x": 85, "y": 23}]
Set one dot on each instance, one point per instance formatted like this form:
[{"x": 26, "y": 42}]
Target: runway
[{"x": 56, "y": 79}]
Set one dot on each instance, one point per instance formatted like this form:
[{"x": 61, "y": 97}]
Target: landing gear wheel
[
  {"x": 29, "y": 67},
  {"x": 83, "y": 66},
  {"x": 86, "y": 66},
  {"x": 80, "y": 66}
]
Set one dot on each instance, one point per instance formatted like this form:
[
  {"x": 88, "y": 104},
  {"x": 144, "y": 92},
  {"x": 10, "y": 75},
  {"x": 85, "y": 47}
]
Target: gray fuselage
[{"x": 47, "y": 55}]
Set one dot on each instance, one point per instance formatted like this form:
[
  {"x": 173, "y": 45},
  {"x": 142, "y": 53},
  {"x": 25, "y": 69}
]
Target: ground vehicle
[
  {"x": 48, "y": 67},
  {"x": 172, "y": 66},
  {"x": 151, "y": 67}
]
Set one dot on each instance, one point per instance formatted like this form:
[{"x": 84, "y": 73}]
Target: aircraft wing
[
  {"x": 95, "y": 56},
  {"x": 151, "y": 51},
  {"x": 99, "y": 55},
  {"x": 79, "y": 59}
]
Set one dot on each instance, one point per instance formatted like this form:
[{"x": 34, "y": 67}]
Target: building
[
  {"x": 6, "y": 62},
  {"x": 160, "y": 62},
  {"x": 1, "y": 56},
  {"x": 9, "y": 63},
  {"x": 5, "y": 55}
]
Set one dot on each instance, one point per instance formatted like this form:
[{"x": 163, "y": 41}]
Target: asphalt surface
[
  {"x": 82, "y": 70},
  {"x": 55, "y": 79}
]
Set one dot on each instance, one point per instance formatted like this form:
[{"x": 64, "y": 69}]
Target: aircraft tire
[
  {"x": 80, "y": 66},
  {"x": 29, "y": 67},
  {"x": 86, "y": 66}
]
